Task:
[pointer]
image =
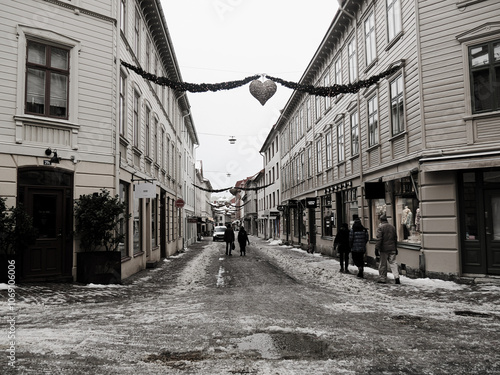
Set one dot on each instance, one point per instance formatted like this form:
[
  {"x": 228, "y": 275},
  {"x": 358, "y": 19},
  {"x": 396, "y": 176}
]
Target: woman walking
[
  {"x": 358, "y": 237},
  {"x": 243, "y": 240}
]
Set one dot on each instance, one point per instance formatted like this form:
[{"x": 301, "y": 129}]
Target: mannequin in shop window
[
  {"x": 406, "y": 219},
  {"x": 417, "y": 220}
]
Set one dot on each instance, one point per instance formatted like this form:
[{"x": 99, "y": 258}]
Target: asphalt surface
[{"x": 203, "y": 312}]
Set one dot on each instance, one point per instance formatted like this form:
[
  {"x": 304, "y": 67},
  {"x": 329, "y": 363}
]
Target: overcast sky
[{"x": 224, "y": 40}]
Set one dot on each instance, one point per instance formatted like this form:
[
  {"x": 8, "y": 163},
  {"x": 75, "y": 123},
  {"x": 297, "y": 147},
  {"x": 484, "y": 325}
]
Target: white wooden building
[
  {"x": 421, "y": 145},
  {"x": 65, "y": 91}
]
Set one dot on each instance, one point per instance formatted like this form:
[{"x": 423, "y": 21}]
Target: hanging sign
[{"x": 145, "y": 190}]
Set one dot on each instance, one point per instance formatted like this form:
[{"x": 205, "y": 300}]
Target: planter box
[{"x": 99, "y": 267}]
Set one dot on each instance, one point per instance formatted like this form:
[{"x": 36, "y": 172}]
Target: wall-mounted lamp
[
  {"x": 232, "y": 140},
  {"x": 54, "y": 159}
]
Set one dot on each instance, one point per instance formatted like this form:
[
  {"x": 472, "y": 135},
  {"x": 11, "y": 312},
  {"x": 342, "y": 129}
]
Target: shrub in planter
[
  {"x": 97, "y": 218},
  {"x": 16, "y": 232}
]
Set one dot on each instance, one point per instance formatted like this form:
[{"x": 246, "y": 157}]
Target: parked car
[{"x": 219, "y": 233}]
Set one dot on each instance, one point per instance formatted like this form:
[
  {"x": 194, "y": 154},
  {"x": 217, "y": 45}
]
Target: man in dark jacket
[
  {"x": 386, "y": 248},
  {"x": 229, "y": 239}
]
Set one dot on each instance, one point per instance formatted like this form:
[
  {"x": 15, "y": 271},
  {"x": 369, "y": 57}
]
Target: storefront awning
[{"x": 456, "y": 162}]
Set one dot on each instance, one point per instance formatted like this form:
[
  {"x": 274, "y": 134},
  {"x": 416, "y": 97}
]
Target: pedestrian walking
[
  {"x": 386, "y": 248},
  {"x": 358, "y": 237},
  {"x": 229, "y": 239},
  {"x": 341, "y": 243},
  {"x": 243, "y": 240}
]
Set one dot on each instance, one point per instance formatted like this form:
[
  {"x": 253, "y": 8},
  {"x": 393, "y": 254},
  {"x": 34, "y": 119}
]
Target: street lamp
[{"x": 232, "y": 140}]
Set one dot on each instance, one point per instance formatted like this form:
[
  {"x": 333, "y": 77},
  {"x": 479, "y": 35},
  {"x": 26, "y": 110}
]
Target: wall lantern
[{"x": 232, "y": 140}]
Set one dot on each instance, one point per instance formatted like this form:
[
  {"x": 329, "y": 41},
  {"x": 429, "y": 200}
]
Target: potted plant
[
  {"x": 16, "y": 232},
  {"x": 97, "y": 219}
]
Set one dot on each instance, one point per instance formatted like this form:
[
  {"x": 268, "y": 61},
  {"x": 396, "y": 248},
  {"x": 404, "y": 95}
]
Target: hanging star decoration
[{"x": 263, "y": 91}]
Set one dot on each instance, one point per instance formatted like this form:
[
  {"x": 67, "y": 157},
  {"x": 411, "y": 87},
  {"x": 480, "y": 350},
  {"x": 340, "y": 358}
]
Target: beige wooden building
[
  {"x": 421, "y": 145},
  {"x": 73, "y": 121}
]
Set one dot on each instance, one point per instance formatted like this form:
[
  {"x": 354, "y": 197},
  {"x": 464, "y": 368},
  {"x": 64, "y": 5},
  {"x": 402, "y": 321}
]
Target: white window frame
[
  {"x": 394, "y": 24},
  {"x": 370, "y": 39}
]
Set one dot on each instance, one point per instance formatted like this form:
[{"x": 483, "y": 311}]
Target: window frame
[
  {"x": 372, "y": 118},
  {"x": 397, "y": 101},
  {"x": 493, "y": 78},
  {"x": 48, "y": 71},
  {"x": 340, "y": 142},
  {"x": 354, "y": 124},
  {"x": 328, "y": 150},
  {"x": 370, "y": 39},
  {"x": 352, "y": 60},
  {"x": 394, "y": 19}
]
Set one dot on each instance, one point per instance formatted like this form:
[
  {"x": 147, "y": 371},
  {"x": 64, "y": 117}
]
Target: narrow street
[{"x": 277, "y": 310}]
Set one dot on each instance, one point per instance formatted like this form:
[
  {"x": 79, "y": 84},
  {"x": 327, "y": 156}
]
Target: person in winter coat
[
  {"x": 341, "y": 242},
  {"x": 243, "y": 240},
  {"x": 229, "y": 239},
  {"x": 358, "y": 237},
  {"x": 386, "y": 248}
]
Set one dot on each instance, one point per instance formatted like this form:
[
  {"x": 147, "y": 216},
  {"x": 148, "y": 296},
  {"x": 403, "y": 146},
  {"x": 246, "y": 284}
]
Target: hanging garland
[
  {"x": 262, "y": 96},
  {"x": 334, "y": 90},
  {"x": 229, "y": 188},
  {"x": 191, "y": 87}
]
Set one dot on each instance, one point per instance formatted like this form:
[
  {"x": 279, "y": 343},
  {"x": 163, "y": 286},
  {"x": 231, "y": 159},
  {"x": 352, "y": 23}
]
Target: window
[
  {"x": 340, "y": 143},
  {"x": 397, "y": 106},
  {"x": 123, "y": 14},
  {"x": 148, "y": 132},
  {"x": 370, "y": 41},
  {"x": 372, "y": 121},
  {"x": 148, "y": 55},
  {"x": 354, "y": 134},
  {"x": 137, "y": 225},
  {"x": 326, "y": 83},
  {"x": 327, "y": 216},
  {"x": 328, "y": 146},
  {"x": 309, "y": 161},
  {"x": 317, "y": 107},
  {"x": 484, "y": 63},
  {"x": 47, "y": 78},
  {"x": 123, "y": 99},
  {"x": 302, "y": 166},
  {"x": 407, "y": 210},
  {"x": 137, "y": 33},
  {"x": 338, "y": 71},
  {"x": 378, "y": 208},
  {"x": 393, "y": 18},
  {"x": 319, "y": 159},
  {"x": 154, "y": 222},
  {"x": 308, "y": 113},
  {"x": 301, "y": 121},
  {"x": 155, "y": 141},
  {"x": 136, "y": 119},
  {"x": 353, "y": 61},
  {"x": 123, "y": 223},
  {"x": 162, "y": 148}
]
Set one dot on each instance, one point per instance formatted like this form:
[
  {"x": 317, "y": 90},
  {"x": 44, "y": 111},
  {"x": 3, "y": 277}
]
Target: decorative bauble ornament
[{"x": 262, "y": 91}]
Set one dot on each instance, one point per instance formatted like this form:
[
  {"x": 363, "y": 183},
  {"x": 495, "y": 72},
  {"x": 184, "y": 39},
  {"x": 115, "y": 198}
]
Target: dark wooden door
[
  {"x": 44, "y": 259},
  {"x": 492, "y": 230}
]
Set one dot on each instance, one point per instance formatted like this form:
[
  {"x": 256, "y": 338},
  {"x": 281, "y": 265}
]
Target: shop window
[
  {"x": 137, "y": 225},
  {"x": 407, "y": 210},
  {"x": 378, "y": 208},
  {"x": 123, "y": 224},
  {"x": 327, "y": 218},
  {"x": 154, "y": 222}
]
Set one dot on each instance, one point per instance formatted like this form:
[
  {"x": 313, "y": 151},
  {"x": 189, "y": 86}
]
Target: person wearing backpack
[{"x": 358, "y": 237}]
